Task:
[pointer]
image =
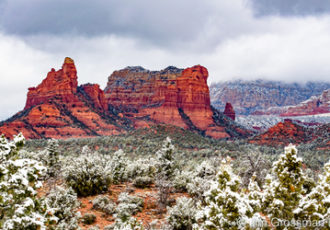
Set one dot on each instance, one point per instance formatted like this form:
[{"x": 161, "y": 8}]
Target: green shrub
[
  {"x": 141, "y": 167},
  {"x": 181, "y": 181},
  {"x": 118, "y": 167},
  {"x": 88, "y": 175},
  {"x": 104, "y": 204},
  {"x": 94, "y": 228},
  {"x": 128, "y": 205},
  {"x": 182, "y": 215},
  {"x": 129, "y": 223},
  {"x": 143, "y": 182},
  {"x": 89, "y": 218},
  {"x": 64, "y": 203}
]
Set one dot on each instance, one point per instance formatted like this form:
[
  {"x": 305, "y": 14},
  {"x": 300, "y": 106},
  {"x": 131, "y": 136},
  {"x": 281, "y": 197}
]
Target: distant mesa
[{"x": 133, "y": 98}]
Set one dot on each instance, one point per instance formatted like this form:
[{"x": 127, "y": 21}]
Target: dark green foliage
[
  {"x": 104, "y": 204},
  {"x": 89, "y": 218},
  {"x": 88, "y": 175},
  {"x": 52, "y": 161},
  {"x": 64, "y": 203},
  {"x": 143, "y": 182}
]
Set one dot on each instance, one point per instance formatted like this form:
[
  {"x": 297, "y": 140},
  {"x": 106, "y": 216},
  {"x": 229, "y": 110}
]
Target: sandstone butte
[{"x": 134, "y": 98}]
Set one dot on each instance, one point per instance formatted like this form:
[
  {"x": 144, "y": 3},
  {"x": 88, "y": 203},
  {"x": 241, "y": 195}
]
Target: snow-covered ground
[{"x": 266, "y": 121}]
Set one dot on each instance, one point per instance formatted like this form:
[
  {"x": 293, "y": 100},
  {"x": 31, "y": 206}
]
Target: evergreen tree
[
  {"x": 166, "y": 164},
  {"x": 254, "y": 194},
  {"x": 165, "y": 168},
  {"x": 20, "y": 208},
  {"x": 284, "y": 187},
  {"x": 53, "y": 164},
  {"x": 226, "y": 207},
  {"x": 315, "y": 206}
]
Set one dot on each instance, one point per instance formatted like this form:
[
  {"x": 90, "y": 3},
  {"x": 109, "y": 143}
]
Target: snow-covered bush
[
  {"x": 85, "y": 150},
  {"x": 129, "y": 223},
  {"x": 128, "y": 205},
  {"x": 197, "y": 187},
  {"x": 118, "y": 167},
  {"x": 49, "y": 157},
  {"x": 104, "y": 204},
  {"x": 88, "y": 175},
  {"x": 143, "y": 182},
  {"x": 63, "y": 203},
  {"x": 181, "y": 181},
  {"x": 140, "y": 168},
  {"x": 96, "y": 227},
  {"x": 205, "y": 170},
  {"x": 182, "y": 215},
  {"x": 20, "y": 208},
  {"x": 201, "y": 179},
  {"x": 89, "y": 218}
]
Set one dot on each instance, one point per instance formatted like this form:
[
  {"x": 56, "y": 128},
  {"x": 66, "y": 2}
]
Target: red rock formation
[
  {"x": 229, "y": 111},
  {"x": 284, "y": 133},
  {"x": 61, "y": 84},
  {"x": 56, "y": 109},
  {"x": 134, "y": 98},
  {"x": 96, "y": 96},
  {"x": 312, "y": 106},
  {"x": 193, "y": 96},
  {"x": 172, "y": 96}
]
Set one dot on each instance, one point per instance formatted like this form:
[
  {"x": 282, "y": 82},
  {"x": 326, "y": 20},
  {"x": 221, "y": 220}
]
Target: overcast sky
[{"x": 247, "y": 39}]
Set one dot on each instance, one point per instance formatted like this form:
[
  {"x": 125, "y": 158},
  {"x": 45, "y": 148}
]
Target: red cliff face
[
  {"x": 194, "y": 96},
  {"x": 96, "y": 96},
  {"x": 229, "y": 111},
  {"x": 171, "y": 96}
]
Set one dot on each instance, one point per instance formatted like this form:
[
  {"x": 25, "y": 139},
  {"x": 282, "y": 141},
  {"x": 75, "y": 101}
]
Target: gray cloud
[
  {"x": 157, "y": 21},
  {"x": 290, "y": 7}
]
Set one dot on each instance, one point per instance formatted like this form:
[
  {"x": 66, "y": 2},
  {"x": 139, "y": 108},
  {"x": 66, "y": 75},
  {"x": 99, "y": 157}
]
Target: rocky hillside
[
  {"x": 290, "y": 131},
  {"x": 134, "y": 98},
  {"x": 314, "y": 105},
  {"x": 250, "y": 96}
]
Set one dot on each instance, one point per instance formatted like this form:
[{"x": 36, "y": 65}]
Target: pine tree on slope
[
  {"x": 315, "y": 206},
  {"x": 284, "y": 186}
]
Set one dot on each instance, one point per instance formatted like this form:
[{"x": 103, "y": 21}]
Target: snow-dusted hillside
[
  {"x": 314, "y": 105},
  {"x": 263, "y": 122},
  {"x": 250, "y": 96}
]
